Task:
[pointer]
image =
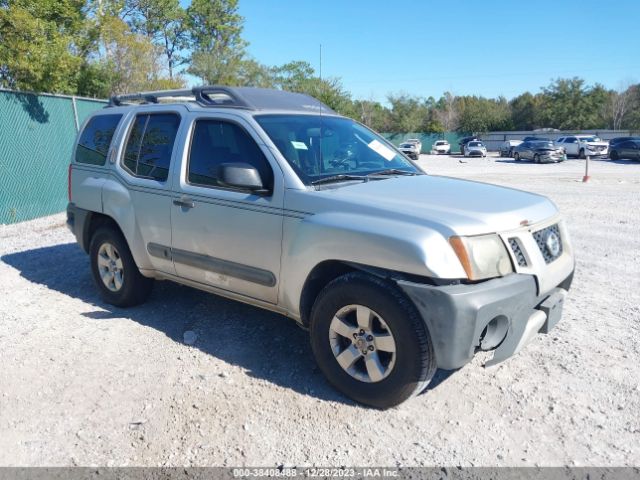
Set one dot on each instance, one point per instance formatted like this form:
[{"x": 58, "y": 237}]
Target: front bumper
[
  {"x": 503, "y": 313},
  {"x": 475, "y": 153}
]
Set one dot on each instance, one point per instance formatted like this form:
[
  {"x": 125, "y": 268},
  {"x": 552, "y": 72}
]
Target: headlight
[{"x": 483, "y": 256}]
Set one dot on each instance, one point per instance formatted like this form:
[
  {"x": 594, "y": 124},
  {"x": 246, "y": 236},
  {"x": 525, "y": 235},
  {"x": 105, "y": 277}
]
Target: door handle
[{"x": 184, "y": 202}]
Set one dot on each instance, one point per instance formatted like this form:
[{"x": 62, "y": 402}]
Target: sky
[{"x": 424, "y": 48}]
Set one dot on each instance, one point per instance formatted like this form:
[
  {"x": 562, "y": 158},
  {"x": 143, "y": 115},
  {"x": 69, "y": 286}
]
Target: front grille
[
  {"x": 517, "y": 252},
  {"x": 549, "y": 242}
]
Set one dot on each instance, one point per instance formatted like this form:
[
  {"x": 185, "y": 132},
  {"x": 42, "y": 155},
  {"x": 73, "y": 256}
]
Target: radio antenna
[{"x": 321, "y": 105}]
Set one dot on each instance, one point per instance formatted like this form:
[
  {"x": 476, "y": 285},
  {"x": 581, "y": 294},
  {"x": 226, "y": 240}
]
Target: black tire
[
  {"x": 614, "y": 155},
  {"x": 135, "y": 287},
  {"x": 536, "y": 158},
  {"x": 581, "y": 154},
  {"x": 415, "y": 363},
  {"x": 516, "y": 157}
]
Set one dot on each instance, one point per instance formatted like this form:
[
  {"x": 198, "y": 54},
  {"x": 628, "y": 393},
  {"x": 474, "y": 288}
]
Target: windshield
[
  {"x": 590, "y": 139},
  {"x": 322, "y": 146},
  {"x": 440, "y": 142},
  {"x": 475, "y": 144}
]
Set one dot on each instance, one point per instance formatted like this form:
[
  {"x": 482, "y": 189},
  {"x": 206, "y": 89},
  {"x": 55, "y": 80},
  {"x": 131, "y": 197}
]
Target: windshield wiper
[
  {"x": 338, "y": 178},
  {"x": 393, "y": 171}
]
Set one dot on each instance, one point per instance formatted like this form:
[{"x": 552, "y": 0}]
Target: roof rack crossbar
[{"x": 202, "y": 95}]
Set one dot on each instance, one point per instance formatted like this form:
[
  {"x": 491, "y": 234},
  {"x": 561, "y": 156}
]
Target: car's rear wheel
[
  {"x": 115, "y": 273},
  {"x": 536, "y": 158},
  {"x": 581, "y": 154},
  {"x": 614, "y": 155},
  {"x": 370, "y": 341},
  {"x": 516, "y": 157}
]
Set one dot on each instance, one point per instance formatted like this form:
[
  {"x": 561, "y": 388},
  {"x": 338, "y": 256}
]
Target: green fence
[
  {"x": 427, "y": 139},
  {"x": 36, "y": 138}
]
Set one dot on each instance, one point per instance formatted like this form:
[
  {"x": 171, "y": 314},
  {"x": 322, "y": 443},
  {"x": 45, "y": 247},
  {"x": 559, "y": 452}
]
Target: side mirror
[{"x": 241, "y": 175}]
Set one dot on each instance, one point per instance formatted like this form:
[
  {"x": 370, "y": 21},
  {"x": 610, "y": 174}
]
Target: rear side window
[
  {"x": 215, "y": 142},
  {"x": 149, "y": 146},
  {"x": 95, "y": 139}
]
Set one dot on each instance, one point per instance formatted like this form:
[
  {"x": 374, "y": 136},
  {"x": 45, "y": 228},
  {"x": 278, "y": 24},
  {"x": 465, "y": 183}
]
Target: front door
[{"x": 225, "y": 237}]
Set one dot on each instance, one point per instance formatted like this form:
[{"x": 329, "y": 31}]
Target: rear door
[
  {"x": 221, "y": 236},
  {"x": 142, "y": 197}
]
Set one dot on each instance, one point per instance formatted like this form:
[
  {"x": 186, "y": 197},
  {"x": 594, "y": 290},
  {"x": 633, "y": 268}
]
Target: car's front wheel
[
  {"x": 370, "y": 341},
  {"x": 536, "y": 158},
  {"x": 115, "y": 273},
  {"x": 613, "y": 155},
  {"x": 516, "y": 157}
]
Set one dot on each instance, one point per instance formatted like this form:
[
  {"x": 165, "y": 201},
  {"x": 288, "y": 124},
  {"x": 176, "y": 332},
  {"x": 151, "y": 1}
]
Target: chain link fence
[{"x": 37, "y": 133}]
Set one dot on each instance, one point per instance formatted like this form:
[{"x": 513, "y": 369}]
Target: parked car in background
[
  {"x": 463, "y": 142},
  {"x": 535, "y": 139},
  {"x": 539, "y": 152},
  {"x": 614, "y": 141},
  {"x": 410, "y": 150},
  {"x": 417, "y": 143},
  {"x": 628, "y": 149},
  {"x": 441, "y": 146},
  {"x": 506, "y": 149},
  {"x": 583, "y": 145},
  {"x": 475, "y": 149}
]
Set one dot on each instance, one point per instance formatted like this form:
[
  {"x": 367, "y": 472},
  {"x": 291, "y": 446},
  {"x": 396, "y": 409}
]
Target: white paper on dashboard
[
  {"x": 299, "y": 145},
  {"x": 382, "y": 149}
]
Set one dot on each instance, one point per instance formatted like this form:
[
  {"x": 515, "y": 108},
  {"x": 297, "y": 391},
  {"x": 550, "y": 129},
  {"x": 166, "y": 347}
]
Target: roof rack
[
  {"x": 231, "y": 97},
  {"x": 206, "y": 96}
]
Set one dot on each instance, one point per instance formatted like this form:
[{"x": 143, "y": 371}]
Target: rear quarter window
[{"x": 95, "y": 139}]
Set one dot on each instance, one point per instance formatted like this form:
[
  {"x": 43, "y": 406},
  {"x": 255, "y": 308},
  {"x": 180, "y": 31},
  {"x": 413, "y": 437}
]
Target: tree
[
  {"x": 215, "y": 28},
  {"x": 619, "y": 103},
  {"x": 479, "y": 114},
  {"x": 408, "y": 113},
  {"x": 524, "y": 111},
  {"x": 41, "y": 44},
  {"x": 132, "y": 61},
  {"x": 568, "y": 104},
  {"x": 446, "y": 113},
  {"x": 164, "y": 22},
  {"x": 300, "y": 77}
]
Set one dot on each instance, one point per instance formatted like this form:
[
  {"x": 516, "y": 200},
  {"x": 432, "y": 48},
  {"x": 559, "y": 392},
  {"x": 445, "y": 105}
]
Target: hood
[
  {"x": 596, "y": 144},
  {"x": 450, "y": 205}
]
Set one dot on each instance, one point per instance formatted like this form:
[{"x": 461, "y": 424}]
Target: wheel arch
[
  {"x": 93, "y": 222},
  {"x": 327, "y": 271}
]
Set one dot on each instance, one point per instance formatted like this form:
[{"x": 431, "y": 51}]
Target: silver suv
[{"x": 271, "y": 198}]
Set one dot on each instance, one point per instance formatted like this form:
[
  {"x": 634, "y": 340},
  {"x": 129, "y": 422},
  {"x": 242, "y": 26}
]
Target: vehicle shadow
[{"x": 266, "y": 345}]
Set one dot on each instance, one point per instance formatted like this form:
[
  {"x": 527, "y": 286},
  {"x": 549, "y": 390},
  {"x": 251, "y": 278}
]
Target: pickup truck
[{"x": 271, "y": 198}]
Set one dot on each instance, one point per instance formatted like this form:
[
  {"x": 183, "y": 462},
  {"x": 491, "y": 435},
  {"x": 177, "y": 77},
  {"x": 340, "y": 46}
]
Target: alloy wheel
[{"x": 362, "y": 343}]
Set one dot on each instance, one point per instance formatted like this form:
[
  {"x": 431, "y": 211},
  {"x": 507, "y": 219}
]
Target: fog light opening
[{"x": 494, "y": 333}]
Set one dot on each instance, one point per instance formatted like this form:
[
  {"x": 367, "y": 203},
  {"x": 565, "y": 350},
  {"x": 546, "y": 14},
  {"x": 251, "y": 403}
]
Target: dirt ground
[{"x": 84, "y": 383}]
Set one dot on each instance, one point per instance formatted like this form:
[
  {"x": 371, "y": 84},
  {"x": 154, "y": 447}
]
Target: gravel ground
[{"x": 84, "y": 383}]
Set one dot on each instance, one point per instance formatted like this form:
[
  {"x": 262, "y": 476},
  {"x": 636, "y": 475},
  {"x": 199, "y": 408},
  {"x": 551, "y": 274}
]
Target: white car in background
[
  {"x": 475, "y": 148},
  {"x": 582, "y": 146},
  {"x": 441, "y": 146},
  {"x": 417, "y": 143}
]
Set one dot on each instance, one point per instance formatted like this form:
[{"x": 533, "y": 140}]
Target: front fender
[{"x": 372, "y": 241}]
